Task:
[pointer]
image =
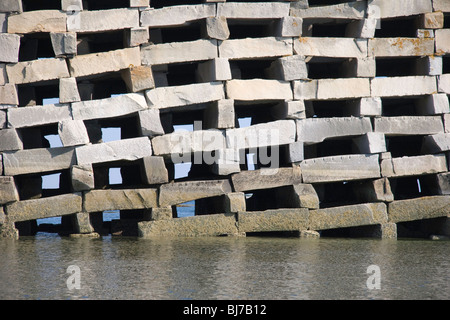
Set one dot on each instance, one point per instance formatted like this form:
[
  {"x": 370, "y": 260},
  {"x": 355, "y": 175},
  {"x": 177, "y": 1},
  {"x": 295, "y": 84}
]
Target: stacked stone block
[{"x": 348, "y": 103}]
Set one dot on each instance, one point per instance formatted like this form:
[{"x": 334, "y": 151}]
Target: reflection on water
[{"x": 222, "y": 268}]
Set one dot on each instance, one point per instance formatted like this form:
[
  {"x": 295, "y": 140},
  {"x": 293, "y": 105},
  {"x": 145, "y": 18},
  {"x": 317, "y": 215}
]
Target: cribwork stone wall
[{"x": 302, "y": 116}]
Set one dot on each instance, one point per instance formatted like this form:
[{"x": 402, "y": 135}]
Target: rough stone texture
[
  {"x": 258, "y": 89},
  {"x": 400, "y": 47},
  {"x": 105, "y": 20},
  {"x": 129, "y": 149},
  {"x": 138, "y": 78},
  {"x": 265, "y": 178},
  {"x": 8, "y": 190},
  {"x": 185, "y": 142},
  {"x": 10, "y": 140},
  {"x": 315, "y": 130},
  {"x": 340, "y": 168},
  {"x": 166, "y": 97},
  {"x": 38, "y": 160},
  {"x": 94, "y": 63},
  {"x": 331, "y": 47},
  {"x": 11, "y": 6},
  {"x": 124, "y": 199},
  {"x": 348, "y": 216},
  {"x": 374, "y": 191},
  {"x": 262, "y": 135},
  {"x": 401, "y": 8},
  {"x": 253, "y": 10},
  {"x": 44, "y": 208},
  {"x": 82, "y": 177},
  {"x": 409, "y": 125},
  {"x": 72, "y": 133},
  {"x": 9, "y": 48},
  {"x": 353, "y": 10},
  {"x": 273, "y": 220},
  {"x": 68, "y": 90},
  {"x": 150, "y": 122},
  {"x": 109, "y": 107},
  {"x": 235, "y": 202},
  {"x": 82, "y": 223},
  {"x": 37, "y": 21},
  {"x": 176, "y": 15},
  {"x": 411, "y": 166},
  {"x": 325, "y": 89},
  {"x": 217, "y": 69},
  {"x": 217, "y": 28},
  {"x": 420, "y": 208},
  {"x": 64, "y": 43},
  {"x": 436, "y": 143},
  {"x": 255, "y": 48},
  {"x": 38, "y": 115},
  {"x": 37, "y": 70},
  {"x": 154, "y": 170},
  {"x": 197, "y": 50},
  {"x": 205, "y": 225},
  {"x": 403, "y": 86},
  {"x": 180, "y": 192}
]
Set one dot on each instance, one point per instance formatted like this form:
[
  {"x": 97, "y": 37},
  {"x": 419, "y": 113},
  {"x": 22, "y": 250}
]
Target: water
[{"x": 222, "y": 268}]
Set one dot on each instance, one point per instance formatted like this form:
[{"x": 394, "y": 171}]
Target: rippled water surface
[{"x": 223, "y": 268}]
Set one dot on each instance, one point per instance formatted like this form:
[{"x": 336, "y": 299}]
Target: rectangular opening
[
  {"x": 42, "y": 94},
  {"x": 55, "y": 183},
  {"x": 105, "y": 4},
  {"x": 188, "y": 120},
  {"x": 329, "y": 68},
  {"x": 445, "y": 64},
  {"x": 254, "y": 112},
  {"x": 210, "y": 205},
  {"x": 101, "y": 86},
  {"x": 241, "y": 29},
  {"x": 182, "y": 170},
  {"x": 260, "y": 200},
  {"x": 333, "y": 29},
  {"x": 32, "y": 5},
  {"x": 187, "y": 32},
  {"x": 330, "y": 147},
  {"x": 404, "y": 106},
  {"x": 111, "y": 134},
  {"x": 395, "y": 67},
  {"x": 250, "y": 69},
  {"x": 326, "y": 108},
  {"x": 181, "y": 74},
  {"x": 40, "y": 137},
  {"x": 447, "y": 20},
  {"x": 351, "y": 232},
  {"x": 411, "y": 187},
  {"x": 120, "y": 128},
  {"x": 404, "y": 146},
  {"x": 424, "y": 229},
  {"x": 404, "y": 27},
  {"x": 183, "y": 210},
  {"x": 117, "y": 175},
  {"x": 35, "y": 46},
  {"x": 335, "y": 194},
  {"x": 101, "y": 42},
  {"x": 157, "y": 4},
  {"x": 315, "y": 3}
]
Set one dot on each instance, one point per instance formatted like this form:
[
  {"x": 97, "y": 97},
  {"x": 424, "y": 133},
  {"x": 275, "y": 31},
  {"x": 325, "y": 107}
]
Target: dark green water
[{"x": 223, "y": 268}]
